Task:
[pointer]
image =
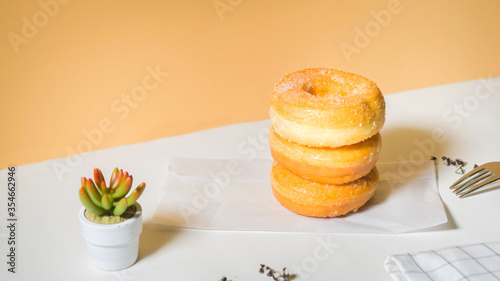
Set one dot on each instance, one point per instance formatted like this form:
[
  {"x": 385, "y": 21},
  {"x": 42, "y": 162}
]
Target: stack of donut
[{"x": 325, "y": 141}]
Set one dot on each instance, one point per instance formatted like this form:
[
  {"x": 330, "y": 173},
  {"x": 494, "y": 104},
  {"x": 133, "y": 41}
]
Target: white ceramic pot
[{"x": 113, "y": 246}]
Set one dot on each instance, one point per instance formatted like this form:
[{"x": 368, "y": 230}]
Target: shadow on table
[
  {"x": 154, "y": 237},
  {"x": 413, "y": 146},
  {"x": 410, "y": 144},
  {"x": 409, "y": 148}
]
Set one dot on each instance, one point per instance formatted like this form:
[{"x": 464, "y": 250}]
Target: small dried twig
[
  {"x": 446, "y": 160},
  {"x": 460, "y": 170},
  {"x": 276, "y": 275},
  {"x": 459, "y": 163}
]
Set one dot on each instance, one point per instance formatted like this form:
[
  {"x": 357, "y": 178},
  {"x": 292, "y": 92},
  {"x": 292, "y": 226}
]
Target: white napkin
[
  {"x": 479, "y": 262},
  {"x": 236, "y": 194}
]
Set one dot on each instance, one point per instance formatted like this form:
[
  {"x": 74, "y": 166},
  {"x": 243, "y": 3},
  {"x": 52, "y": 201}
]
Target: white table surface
[{"x": 50, "y": 246}]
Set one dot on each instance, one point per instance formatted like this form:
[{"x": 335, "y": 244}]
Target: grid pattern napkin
[{"x": 472, "y": 262}]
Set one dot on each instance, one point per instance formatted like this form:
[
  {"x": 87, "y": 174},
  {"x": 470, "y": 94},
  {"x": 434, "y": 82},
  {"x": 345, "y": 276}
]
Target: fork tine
[
  {"x": 472, "y": 180},
  {"x": 468, "y": 175},
  {"x": 477, "y": 186}
]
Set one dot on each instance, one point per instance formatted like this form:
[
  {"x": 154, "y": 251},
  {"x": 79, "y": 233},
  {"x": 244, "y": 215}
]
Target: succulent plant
[{"x": 101, "y": 199}]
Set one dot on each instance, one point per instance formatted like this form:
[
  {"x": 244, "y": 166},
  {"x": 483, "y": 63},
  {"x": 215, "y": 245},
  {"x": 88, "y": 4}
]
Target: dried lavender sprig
[
  {"x": 277, "y": 276},
  {"x": 460, "y": 170},
  {"x": 446, "y": 160},
  {"x": 454, "y": 162},
  {"x": 459, "y": 163}
]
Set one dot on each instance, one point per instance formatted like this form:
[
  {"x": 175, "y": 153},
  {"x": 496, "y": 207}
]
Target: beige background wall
[{"x": 88, "y": 75}]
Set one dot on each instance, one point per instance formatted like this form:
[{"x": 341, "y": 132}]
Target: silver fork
[{"x": 477, "y": 178}]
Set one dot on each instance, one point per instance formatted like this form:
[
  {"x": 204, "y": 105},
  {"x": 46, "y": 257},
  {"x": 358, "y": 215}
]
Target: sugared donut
[
  {"x": 326, "y": 108},
  {"x": 320, "y": 200},
  {"x": 324, "y": 164}
]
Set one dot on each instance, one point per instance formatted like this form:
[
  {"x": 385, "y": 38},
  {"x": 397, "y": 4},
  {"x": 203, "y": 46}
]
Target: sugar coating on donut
[
  {"x": 326, "y": 107},
  {"x": 321, "y": 200},
  {"x": 325, "y": 164}
]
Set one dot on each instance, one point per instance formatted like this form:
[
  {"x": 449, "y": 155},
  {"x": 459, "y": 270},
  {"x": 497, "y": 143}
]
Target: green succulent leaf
[
  {"x": 123, "y": 188},
  {"x": 135, "y": 194},
  {"x": 102, "y": 189},
  {"x": 122, "y": 176},
  {"x": 118, "y": 180},
  {"x": 94, "y": 195},
  {"x": 107, "y": 202},
  {"x": 88, "y": 204},
  {"x": 114, "y": 177},
  {"x": 120, "y": 207},
  {"x": 99, "y": 178}
]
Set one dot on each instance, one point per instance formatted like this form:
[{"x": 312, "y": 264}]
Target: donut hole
[{"x": 322, "y": 88}]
